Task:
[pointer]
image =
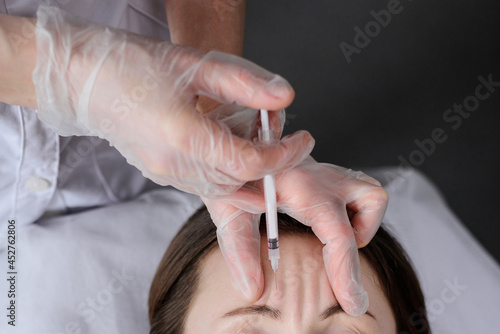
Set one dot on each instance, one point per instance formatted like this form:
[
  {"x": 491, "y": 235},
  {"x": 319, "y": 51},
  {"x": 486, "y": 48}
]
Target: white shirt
[{"x": 42, "y": 173}]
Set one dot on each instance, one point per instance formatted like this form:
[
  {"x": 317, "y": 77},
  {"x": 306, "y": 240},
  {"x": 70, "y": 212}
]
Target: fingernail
[
  {"x": 359, "y": 304},
  {"x": 279, "y": 87},
  {"x": 305, "y": 137},
  {"x": 307, "y": 142}
]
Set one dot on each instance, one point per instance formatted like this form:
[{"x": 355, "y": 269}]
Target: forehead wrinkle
[
  {"x": 326, "y": 293},
  {"x": 317, "y": 290},
  {"x": 304, "y": 279}
]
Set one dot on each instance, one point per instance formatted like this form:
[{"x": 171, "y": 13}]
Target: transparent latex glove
[
  {"x": 140, "y": 94},
  {"x": 237, "y": 230},
  {"x": 343, "y": 207}
]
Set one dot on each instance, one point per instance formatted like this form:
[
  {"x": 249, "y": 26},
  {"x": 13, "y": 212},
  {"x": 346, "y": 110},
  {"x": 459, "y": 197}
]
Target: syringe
[{"x": 267, "y": 135}]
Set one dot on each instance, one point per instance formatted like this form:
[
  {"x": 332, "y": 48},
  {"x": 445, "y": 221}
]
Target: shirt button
[{"x": 37, "y": 184}]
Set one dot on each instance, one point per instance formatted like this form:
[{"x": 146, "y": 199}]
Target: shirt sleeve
[{"x": 44, "y": 174}]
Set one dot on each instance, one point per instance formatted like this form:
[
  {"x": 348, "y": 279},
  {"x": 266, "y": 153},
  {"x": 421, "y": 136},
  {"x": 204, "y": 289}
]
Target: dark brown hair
[{"x": 176, "y": 279}]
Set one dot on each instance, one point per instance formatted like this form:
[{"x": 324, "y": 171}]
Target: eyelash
[
  {"x": 344, "y": 330},
  {"x": 253, "y": 325},
  {"x": 244, "y": 329}
]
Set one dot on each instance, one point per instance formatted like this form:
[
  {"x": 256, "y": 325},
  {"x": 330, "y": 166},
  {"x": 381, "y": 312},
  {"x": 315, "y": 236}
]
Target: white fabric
[
  {"x": 90, "y": 272},
  {"x": 75, "y": 172},
  {"x": 145, "y": 17},
  {"x": 28, "y": 149},
  {"x": 460, "y": 280},
  {"x": 69, "y": 263}
]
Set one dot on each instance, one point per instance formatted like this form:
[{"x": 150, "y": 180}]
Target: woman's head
[{"x": 192, "y": 293}]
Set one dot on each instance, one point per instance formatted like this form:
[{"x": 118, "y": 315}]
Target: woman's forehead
[{"x": 303, "y": 290}]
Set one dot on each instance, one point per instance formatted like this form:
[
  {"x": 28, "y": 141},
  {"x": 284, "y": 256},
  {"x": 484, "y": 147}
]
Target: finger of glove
[
  {"x": 239, "y": 241},
  {"x": 248, "y": 198},
  {"x": 277, "y": 120},
  {"x": 209, "y": 160},
  {"x": 276, "y": 123},
  {"x": 344, "y": 273},
  {"x": 274, "y": 158},
  {"x": 242, "y": 121},
  {"x": 369, "y": 208},
  {"x": 205, "y": 105},
  {"x": 227, "y": 78},
  {"x": 351, "y": 174},
  {"x": 245, "y": 122},
  {"x": 366, "y": 200},
  {"x": 242, "y": 159},
  {"x": 331, "y": 225}
]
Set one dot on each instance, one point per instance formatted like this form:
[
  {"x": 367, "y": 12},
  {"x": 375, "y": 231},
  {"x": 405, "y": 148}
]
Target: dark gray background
[{"x": 396, "y": 90}]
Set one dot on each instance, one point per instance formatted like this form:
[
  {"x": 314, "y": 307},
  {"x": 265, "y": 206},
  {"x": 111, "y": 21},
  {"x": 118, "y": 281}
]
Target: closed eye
[{"x": 275, "y": 314}]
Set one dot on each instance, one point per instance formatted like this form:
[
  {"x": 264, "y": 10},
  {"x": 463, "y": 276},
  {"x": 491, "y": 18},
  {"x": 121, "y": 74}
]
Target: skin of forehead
[{"x": 303, "y": 290}]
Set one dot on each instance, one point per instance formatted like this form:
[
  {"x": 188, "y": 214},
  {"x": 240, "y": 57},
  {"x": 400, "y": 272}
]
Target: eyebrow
[
  {"x": 336, "y": 309},
  {"x": 273, "y": 313},
  {"x": 255, "y": 309}
]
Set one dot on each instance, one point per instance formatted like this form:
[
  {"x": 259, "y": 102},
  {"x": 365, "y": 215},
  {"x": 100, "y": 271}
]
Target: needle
[{"x": 266, "y": 135}]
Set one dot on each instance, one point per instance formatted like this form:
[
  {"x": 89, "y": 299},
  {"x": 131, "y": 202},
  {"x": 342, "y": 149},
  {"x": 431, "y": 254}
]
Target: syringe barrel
[
  {"x": 266, "y": 136},
  {"x": 271, "y": 209}
]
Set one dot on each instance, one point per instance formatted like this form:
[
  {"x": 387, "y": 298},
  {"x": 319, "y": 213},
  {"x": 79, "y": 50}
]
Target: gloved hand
[
  {"x": 140, "y": 94},
  {"x": 343, "y": 207}
]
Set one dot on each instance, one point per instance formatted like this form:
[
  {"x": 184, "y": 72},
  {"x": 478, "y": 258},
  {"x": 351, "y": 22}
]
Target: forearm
[
  {"x": 17, "y": 60},
  {"x": 207, "y": 24}
]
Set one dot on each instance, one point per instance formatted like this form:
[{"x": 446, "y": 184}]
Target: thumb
[
  {"x": 227, "y": 78},
  {"x": 239, "y": 241}
]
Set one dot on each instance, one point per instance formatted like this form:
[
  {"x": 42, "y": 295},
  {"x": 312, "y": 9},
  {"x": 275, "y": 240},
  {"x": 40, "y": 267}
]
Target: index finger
[{"x": 340, "y": 254}]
